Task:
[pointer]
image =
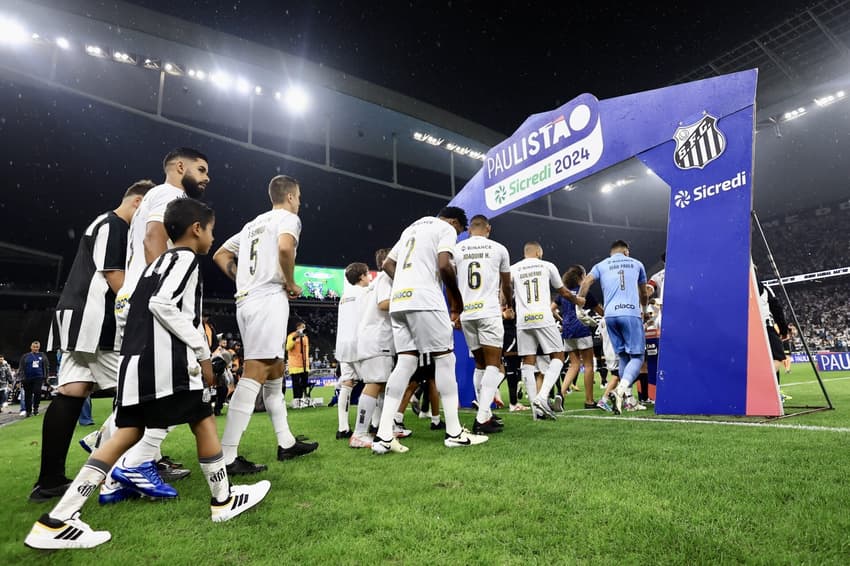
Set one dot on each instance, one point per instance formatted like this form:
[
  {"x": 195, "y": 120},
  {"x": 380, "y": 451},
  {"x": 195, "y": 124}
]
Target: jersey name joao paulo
[{"x": 480, "y": 263}]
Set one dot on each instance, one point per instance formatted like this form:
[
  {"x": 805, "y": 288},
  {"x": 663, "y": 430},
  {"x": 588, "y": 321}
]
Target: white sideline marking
[
  {"x": 726, "y": 423},
  {"x": 814, "y": 381}
]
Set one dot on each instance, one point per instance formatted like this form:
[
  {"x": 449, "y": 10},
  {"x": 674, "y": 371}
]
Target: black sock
[
  {"x": 60, "y": 419},
  {"x": 643, "y": 394}
]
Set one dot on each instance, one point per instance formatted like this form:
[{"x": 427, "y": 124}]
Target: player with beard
[{"x": 186, "y": 175}]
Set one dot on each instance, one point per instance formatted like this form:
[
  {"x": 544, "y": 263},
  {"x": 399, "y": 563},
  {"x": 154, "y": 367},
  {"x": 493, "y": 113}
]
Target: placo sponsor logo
[
  {"x": 684, "y": 197},
  {"x": 403, "y": 295},
  {"x": 625, "y": 306},
  {"x": 698, "y": 144},
  {"x": 533, "y": 317},
  {"x": 470, "y": 307}
]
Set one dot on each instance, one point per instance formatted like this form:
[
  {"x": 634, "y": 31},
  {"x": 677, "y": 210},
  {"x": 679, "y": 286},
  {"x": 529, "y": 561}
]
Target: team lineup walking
[{"x": 130, "y": 324}]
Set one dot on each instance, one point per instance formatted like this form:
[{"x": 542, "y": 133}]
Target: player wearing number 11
[
  {"x": 532, "y": 279},
  {"x": 261, "y": 259}
]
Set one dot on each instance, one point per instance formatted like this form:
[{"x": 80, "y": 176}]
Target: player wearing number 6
[
  {"x": 532, "y": 279},
  {"x": 622, "y": 279},
  {"x": 261, "y": 259},
  {"x": 483, "y": 268}
]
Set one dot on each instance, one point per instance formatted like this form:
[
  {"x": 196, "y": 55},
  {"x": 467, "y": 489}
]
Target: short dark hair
[
  {"x": 572, "y": 276},
  {"x": 354, "y": 271},
  {"x": 619, "y": 244},
  {"x": 280, "y": 186},
  {"x": 380, "y": 256},
  {"x": 479, "y": 221},
  {"x": 139, "y": 188},
  {"x": 181, "y": 213},
  {"x": 455, "y": 213},
  {"x": 184, "y": 153}
]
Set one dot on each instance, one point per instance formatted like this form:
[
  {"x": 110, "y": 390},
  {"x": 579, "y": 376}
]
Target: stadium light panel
[
  {"x": 296, "y": 99},
  {"x": 222, "y": 80},
  {"x": 243, "y": 86},
  {"x": 153, "y": 64},
  {"x": 96, "y": 51},
  {"x": 258, "y": 90},
  {"x": 173, "y": 69},
  {"x": 607, "y": 188},
  {"x": 63, "y": 43},
  {"x": 12, "y": 32}
]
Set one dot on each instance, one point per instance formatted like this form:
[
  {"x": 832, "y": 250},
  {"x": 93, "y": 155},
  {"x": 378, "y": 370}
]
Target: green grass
[{"x": 575, "y": 491}]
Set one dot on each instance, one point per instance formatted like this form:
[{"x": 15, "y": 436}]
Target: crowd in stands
[{"x": 824, "y": 313}]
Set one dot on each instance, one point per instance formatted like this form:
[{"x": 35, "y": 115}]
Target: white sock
[
  {"x": 216, "y": 473},
  {"x": 276, "y": 409},
  {"x": 107, "y": 429},
  {"x": 550, "y": 377},
  {"x": 435, "y": 419},
  {"x": 404, "y": 369},
  {"x": 530, "y": 380},
  {"x": 146, "y": 449},
  {"x": 342, "y": 407},
  {"x": 365, "y": 411},
  {"x": 238, "y": 416},
  {"x": 489, "y": 383},
  {"x": 477, "y": 377},
  {"x": 399, "y": 417},
  {"x": 88, "y": 479},
  {"x": 444, "y": 376},
  {"x": 379, "y": 407}
]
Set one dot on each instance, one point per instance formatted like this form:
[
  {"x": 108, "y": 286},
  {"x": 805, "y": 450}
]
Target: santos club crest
[{"x": 699, "y": 144}]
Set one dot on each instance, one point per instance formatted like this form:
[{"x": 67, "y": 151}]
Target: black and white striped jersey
[
  {"x": 164, "y": 337},
  {"x": 85, "y": 316}
]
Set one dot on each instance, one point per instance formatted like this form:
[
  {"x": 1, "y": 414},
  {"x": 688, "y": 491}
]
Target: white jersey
[
  {"x": 348, "y": 318},
  {"x": 532, "y": 279},
  {"x": 151, "y": 209},
  {"x": 258, "y": 272},
  {"x": 375, "y": 332},
  {"x": 657, "y": 282},
  {"x": 417, "y": 285},
  {"x": 480, "y": 263}
]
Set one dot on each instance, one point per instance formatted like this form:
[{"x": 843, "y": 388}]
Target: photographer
[{"x": 298, "y": 351}]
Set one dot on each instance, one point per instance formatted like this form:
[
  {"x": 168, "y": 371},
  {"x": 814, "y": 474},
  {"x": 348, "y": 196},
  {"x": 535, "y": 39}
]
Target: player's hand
[
  {"x": 580, "y": 301},
  {"x": 293, "y": 291},
  {"x": 509, "y": 313},
  {"x": 455, "y": 316},
  {"x": 207, "y": 372}
]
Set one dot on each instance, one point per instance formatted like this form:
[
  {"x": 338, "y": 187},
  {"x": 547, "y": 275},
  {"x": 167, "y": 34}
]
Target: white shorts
[
  {"x": 348, "y": 372},
  {"x": 262, "y": 324},
  {"x": 576, "y": 344},
  {"x": 100, "y": 368},
  {"x": 483, "y": 332},
  {"x": 375, "y": 370},
  {"x": 547, "y": 337},
  {"x": 612, "y": 362},
  {"x": 422, "y": 331}
]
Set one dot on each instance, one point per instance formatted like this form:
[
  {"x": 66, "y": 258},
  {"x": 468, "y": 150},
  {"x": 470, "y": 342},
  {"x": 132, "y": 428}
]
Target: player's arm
[
  {"x": 110, "y": 252},
  {"x": 506, "y": 288},
  {"x": 156, "y": 240},
  {"x": 226, "y": 262},
  {"x": 389, "y": 267},
  {"x": 449, "y": 278},
  {"x": 556, "y": 311},
  {"x": 586, "y": 284},
  {"x": 567, "y": 294},
  {"x": 290, "y": 341},
  {"x": 286, "y": 244},
  {"x": 115, "y": 279}
]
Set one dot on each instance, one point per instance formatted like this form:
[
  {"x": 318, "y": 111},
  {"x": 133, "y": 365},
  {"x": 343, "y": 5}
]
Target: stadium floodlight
[
  {"x": 123, "y": 57},
  {"x": 296, "y": 99},
  {"x": 569, "y": 188},
  {"x": 197, "y": 74},
  {"x": 258, "y": 90},
  {"x": 96, "y": 51},
  {"x": 221, "y": 80},
  {"x": 277, "y": 95},
  {"x": 152, "y": 64},
  {"x": 12, "y": 32},
  {"x": 794, "y": 114},
  {"x": 63, "y": 43},
  {"x": 477, "y": 155},
  {"x": 607, "y": 188},
  {"x": 840, "y": 94},
  {"x": 243, "y": 86},
  {"x": 173, "y": 69}
]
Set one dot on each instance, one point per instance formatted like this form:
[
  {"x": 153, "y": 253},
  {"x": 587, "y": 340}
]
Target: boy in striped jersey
[
  {"x": 164, "y": 365},
  {"x": 84, "y": 329}
]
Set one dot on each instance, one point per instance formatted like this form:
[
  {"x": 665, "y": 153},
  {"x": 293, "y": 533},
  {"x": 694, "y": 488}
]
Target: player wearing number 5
[
  {"x": 532, "y": 279},
  {"x": 622, "y": 279},
  {"x": 261, "y": 259},
  {"x": 483, "y": 268}
]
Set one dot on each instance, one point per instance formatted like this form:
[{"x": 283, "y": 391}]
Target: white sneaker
[
  {"x": 543, "y": 407},
  {"x": 22, "y": 414},
  {"x": 399, "y": 431},
  {"x": 620, "y": 397},
  {"x": 465, "y": 438},
  {"x": 52, "y": 534},
  {"x": 383, "y": 447},
  {"x": 242, "y": 498},
  {"x": 358, "y": 441}
]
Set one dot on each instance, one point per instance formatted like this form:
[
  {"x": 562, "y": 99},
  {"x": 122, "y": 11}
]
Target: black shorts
[
  {"x": 786, "y": 347},
  {"x": 182, "y": 407},
  {"x": 775, "y": 344}
]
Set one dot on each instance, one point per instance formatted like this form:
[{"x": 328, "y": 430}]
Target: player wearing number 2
[
  {"x": 261, "y": 259},
  {"x": 483, "y": 268},
  {"x": 532, "y": 279},
  {"x": 419, "y": 261},
  {"x": 622, "y": 279}
]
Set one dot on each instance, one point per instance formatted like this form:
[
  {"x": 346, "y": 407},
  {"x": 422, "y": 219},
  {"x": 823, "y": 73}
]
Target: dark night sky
[
  {"x": 63, "y": 156},
  {"x": 496, "y": 62}
]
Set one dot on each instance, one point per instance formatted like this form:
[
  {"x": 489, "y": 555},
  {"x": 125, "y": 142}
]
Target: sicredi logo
[{"x": 684, "y": 197}]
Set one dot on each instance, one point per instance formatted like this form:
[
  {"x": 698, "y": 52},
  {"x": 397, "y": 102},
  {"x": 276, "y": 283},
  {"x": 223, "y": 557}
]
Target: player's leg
[
  {"x": 586, "y": 357},
  {"x": 348, "y": 374},
  {"x": 397, "y": 383},
  {"x": 572, "y": 370},
  {"x": 239, "y": 414},
  {"x": 551, "y": 343},
  {"x": 288, "y": 447}
]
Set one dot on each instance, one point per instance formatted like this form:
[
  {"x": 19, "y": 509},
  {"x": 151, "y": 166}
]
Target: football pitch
[{"x": 587, "y": 489}]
